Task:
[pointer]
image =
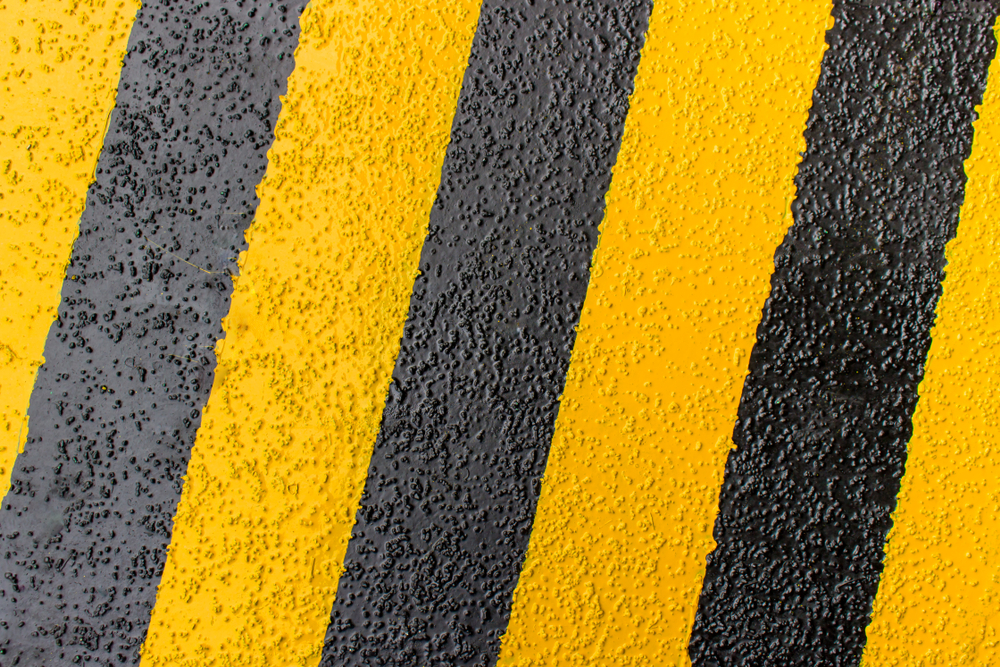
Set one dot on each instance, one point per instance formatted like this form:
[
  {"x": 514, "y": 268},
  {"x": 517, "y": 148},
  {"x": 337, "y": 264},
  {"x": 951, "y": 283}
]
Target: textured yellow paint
[
  {"x": 939, "y": 599},
  {"x": 699, "y": 202},
  {"x": 312, "y": 336},
  {"x": 59, "y": 67}
]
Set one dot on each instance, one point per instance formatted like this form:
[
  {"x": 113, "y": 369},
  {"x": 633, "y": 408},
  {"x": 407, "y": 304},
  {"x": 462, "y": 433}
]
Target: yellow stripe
[
  {"x": 699, "y": 201},
  {"x": 937, "y": 601},
  {"x": 317, "y": 315},
  {"x": 58, "y": 76}
]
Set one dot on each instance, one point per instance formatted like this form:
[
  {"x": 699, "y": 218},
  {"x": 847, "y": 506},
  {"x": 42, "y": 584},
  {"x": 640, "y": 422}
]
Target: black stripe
[
  {"x": 826, "y": 409},
  {"x": 455, "y": 474},
  {"x": 129, "y": 363}
]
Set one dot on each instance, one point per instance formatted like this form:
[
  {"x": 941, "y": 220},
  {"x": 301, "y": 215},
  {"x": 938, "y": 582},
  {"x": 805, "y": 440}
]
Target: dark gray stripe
[
  {"x": 455, "y": 474},
  {"x": 826, "y": 409},
  {"x": 129, "y": 363}
]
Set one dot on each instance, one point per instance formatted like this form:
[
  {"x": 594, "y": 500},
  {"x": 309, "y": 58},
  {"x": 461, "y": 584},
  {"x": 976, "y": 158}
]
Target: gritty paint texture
[
  {"x": 699, "y": 201},
  {"x": 58, "y": 76},
  {"x": 348, "y": 242},
  {"x": 455, "y": 472},
  {"x": 318, "y": 312},
  {"x": 129, "y": 362},
  {"x": 825, "y": 413},
  {"x": 937, "y": 600}
]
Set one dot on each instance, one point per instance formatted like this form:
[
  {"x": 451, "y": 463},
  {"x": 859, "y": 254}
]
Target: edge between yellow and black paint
[
  {"x": 130, "y": 361},
  {"x": 825, "y": 415},
  {"x": 454, "y": 479},
  {"x": 446, "y": 514}
]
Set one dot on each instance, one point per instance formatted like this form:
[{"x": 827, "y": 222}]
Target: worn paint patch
[
  {"x": 937, "y": 601},
  {"x": 58, "y": 75},
  {"x": 313, "y": 333},
  {"x": 698, "y": 204}
]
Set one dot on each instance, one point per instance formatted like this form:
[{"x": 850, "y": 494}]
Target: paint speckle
[
  {"x": 318, "y": 312},
  {"x": 699, "y": 201},
  {"x": 129, "y": 362},
  {"x": 59, "y": 66}
]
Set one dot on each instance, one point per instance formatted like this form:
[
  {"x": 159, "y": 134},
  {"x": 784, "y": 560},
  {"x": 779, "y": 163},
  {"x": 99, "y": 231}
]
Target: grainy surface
[
  {"x": 826, "y": 409},
  {"x": 701, "y": 197},
  {"x": 455, "y": 473},
  {"x": 936, "y": 601},
  {"x": 57, "y": 86},
  {"x": 276, "y": 473},
  {"x": 129, "y": 362},
  {"x": 699, "y": 200}
]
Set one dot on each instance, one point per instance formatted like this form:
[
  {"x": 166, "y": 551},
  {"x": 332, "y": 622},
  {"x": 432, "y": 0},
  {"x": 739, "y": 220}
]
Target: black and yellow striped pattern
[{"x": 241, "y": 426}]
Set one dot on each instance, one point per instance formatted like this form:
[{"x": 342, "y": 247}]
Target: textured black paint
[
  {"x": 455, "y": 475},
  {"x": 129, "y": 363},
  {"x": 826, "y": 409}
]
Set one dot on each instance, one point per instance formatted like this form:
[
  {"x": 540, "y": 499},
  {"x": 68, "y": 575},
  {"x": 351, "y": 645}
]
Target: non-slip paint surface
[
  {"x": 318, "y": 311},
  {"x": 59, "y": 67},
  {"x": 698, "y": 203},
  {"x": 937, "y": 600},
  {"x": 314, "y": 360},
  {"x": 824, "y": 418},
  {"x": 454, "y": 478},
  {"x": 129, "y": 363}
]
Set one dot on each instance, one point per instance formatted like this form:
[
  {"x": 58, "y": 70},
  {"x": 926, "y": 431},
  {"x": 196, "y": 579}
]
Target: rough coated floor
[
  {"x": 129, "y": 362},
  {"x": 826, "y": 409},
  {"x": 569, "y": 285},
  {"x": 456, "y": 470}
]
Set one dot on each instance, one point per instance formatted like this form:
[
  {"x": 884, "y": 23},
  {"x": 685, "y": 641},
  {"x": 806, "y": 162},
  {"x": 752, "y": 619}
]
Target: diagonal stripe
[
  {"x": 825, "y": 414},
  {"x": 698, "y": 203},
  {"x": 129, "y": 362},
  {"x": 58, "y": 84},
  {"x": 936, "y": 601},
  {"x": 276, "y": 474},
  {"x": 454, "y": 477}
]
